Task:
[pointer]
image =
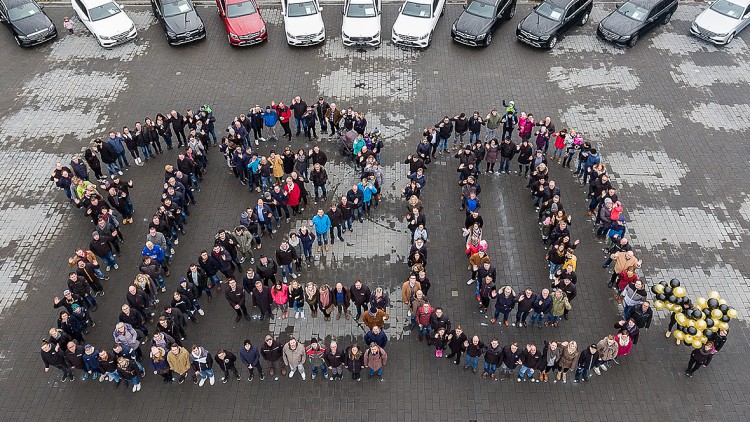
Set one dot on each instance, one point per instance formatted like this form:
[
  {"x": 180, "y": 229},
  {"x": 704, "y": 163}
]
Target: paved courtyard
[{"x": 669, "y": 115}]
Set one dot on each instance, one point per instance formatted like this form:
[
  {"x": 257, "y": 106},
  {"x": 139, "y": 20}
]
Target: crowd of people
[{"x": 281, "y": 181}]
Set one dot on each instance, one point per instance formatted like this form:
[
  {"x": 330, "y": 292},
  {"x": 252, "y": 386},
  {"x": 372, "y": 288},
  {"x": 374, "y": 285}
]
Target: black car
[
  {"x": 550, "y": 20},
  {"x": 30, "y": 25},
  {"x": 475, "y": 25},
  {"x": 626, "y": 24},
  {"x": 180, "y": 21}
]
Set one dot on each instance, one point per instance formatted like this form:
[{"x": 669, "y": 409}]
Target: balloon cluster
[{"x": 699, "y": 322}]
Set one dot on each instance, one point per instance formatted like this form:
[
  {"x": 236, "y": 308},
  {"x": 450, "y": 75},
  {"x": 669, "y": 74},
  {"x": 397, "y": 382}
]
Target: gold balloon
[
  {"x": 659, "y": 289},
  {"x": 679, "y": 335},
  {"x": 690, "y": 323},
  {"x": 697, "y": 344},
  {"x": 701, "y": 303},
  {"x": 689, "y": 338},
  {"x": 714, "y": 295},
  {"x": 723, "y": 325},
  {"x": 700, "y": 324},
  {"x": 679, "y": 291},
  {"x": 681, "y": 319},
  {"x": 717, "y": 314},
  {"x": 658, "y": 304},
  {"x": 715, "y": 328},
  {"x": 722, "y": 302},
  {"x": 732, "y": 313}
]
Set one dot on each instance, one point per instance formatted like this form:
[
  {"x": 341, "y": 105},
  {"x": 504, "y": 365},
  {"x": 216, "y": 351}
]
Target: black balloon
[
  {"x": 713, "y": 303},
  {"x": 674, "y": 283},
  {"x": 672, "y": 299},
  {"x": 697, "y": 313},
  {"x": 724, "y": 308},
  {"x": 709, "y": 334},
  {"x": 664, "y": 283},
  {"x": 692, "y": 331},
  {"x": 661, "y": 296},
  {"x": 709, "y": 322},
  {"x": 667, "y": 290},
  {"x": 653, "y": 289},
  {"x": 725, "y": 318}
]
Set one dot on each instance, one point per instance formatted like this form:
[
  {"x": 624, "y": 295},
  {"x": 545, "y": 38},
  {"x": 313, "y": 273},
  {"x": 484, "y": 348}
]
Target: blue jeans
[
  {"x": 626, "y": 311},
  {"x": 160, "y": 281},
  {"x": 286, "y": 269},
  {"x": 348, "y": 223},
  {"x": 99, "y": 273},
  {"x": 168, "y": 141},
  {"x": 299, "y": 308},
  {"x": 322, "y": 238},
  {"x": 323, "y": 369},
  {"x": 265, "y": 225},
  {"x": 504, "y": 164},
  {"x": 473, "y": 136},
  {"x": 489, "y": 368},
  {"x": 113, "y": 376},
  {"x": 472, "y": 361},
  {"x": 206, "y": 373},
  {"x": 552, "y": 319},
  {"x": 266, "y": 181},
  {"x": 146, "y": 151},
  {"x": 195, "y": 181},
  {"x": 90, "y": 298},
  {"x": 121, "y": 158},
  {"x": 582, "y": 372},
  {"x": 215, "y": 279},
  {"x": 521, "y": 316},
  {"x": 379, "y": 372},
  {"x": 505, "y": 314},
  {"x": 425, "y": 330},
  {"x": 301, "y": 123},
  {"x": 443, "y": 144},
  {"x": 525, "y": 371},
  {"x": 535, "y": 315},
  {"x": 553, "y": 268},
  {"x": 113, "y": 168},
  {"x": 306, "y": 250},
  {"x": 109, "y": 260},
  {"x": 490, "y": 134},
  {"x": 323, "y": 188},
  {"x": 212, "y": 132}
]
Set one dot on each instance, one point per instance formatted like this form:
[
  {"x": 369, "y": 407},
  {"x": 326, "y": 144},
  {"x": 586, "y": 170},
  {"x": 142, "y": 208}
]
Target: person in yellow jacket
[
  {"x": 179, "y": 361},
  {"x": 277, "y": 165}
]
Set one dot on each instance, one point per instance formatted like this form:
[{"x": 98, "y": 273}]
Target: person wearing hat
[
  {"x": 586, "y": 362},
  {"x": 375, "y": 317},
  {"x": 271, "y": 350},
  {"x": 315, "y": 352}
]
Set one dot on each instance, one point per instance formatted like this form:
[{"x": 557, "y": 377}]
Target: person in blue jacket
[
  {"x": 250, "y": 356},
  {"x": 270, "y": 118},
  {"x": 377, "y": 336},
  {"x": 368, "y": 190},
  {"x": 156, "y": 253},
  {"x": 322, "y": 224}
]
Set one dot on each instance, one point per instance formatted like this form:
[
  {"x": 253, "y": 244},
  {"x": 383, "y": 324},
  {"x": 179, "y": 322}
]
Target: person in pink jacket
[
  {"x": 280, "y": 295},
  {"x": 624, "y": 344}
]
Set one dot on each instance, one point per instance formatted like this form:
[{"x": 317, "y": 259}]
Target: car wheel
[
  {"x": 633, "y": 41},
  {"x": 552, "y": 42},
  {"x": 667, "y": 18},
  {"x": 584, "y": 18},
  {"x": 488, "y": 39},
  {"x": 511, "y": 12}
]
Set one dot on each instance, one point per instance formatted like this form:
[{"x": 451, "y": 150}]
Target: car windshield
[
  {"x": 240, "y": 9},
  {"x": 177, "y": 7},
  {"x": 633, "y": 12},
  {"x": 23, "y": 11},
  {"x": 366, "y": 10},
  {"x": 418, "y": 10},
  {"x": 550, "y": 11},
  {"x": 104, "y": 11},
  {"x": 305, "y": 8},
  {"x": 483, "y": 10},
  {"x": 727, "y": 9}
]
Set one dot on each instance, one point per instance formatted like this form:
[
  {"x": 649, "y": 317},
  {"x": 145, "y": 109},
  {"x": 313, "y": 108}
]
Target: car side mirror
[
  {"x": 465, "y": 6},
  {"x": 41, "y": 6},
  {"x": 320, "y": 8}
]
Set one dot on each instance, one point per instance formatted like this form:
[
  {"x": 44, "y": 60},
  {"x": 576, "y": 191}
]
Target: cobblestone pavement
[{"x": 669, "y": 115}]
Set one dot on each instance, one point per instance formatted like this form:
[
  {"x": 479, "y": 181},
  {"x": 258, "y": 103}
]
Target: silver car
[{"x": 722, "y": 21}]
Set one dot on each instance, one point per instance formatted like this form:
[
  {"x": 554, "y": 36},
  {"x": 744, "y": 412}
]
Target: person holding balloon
[
  {"x": 700, "y": 357},
  {"x": 673, "y": 320}
]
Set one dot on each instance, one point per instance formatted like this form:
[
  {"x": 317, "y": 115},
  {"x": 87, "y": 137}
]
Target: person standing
[
  {"x": 699, "y": 357},
  {"x": 354, "y": 361},
  {"x": 341, "y": 299},
  {"x": 226, "y": 359},
  {"x": 271, "y": 350},
  {"x": 474, "y": 350},
  {"x": 375, "y": 318},
  {"x": 179, "y": 361},
  {"x": 55, "y": 356},
  {"x": 492, "y": 357},
  {"x": 202, "y": 363},
  {"x": 294, "y": 357},
  {"x": 129, "y": 371},
  {"x": 315, "y": 352},
  {"x": 251, "y": 358},
  {"x": 322, "y": 225},
  {"x": 236, "y": 297},
  {"x": 375, "y": 359},
  {"x": 586, "y": 362},
  {"x": 360, "y": 295},
  {"x": 456, "y": 340},
  {"x": 262, "y": 300},
  {"x": 529, "y": 360},
  {"x": 335, "y": 358}
]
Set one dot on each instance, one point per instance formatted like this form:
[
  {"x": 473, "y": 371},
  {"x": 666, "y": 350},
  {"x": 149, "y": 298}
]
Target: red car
[{"x": 242, "y": 19}]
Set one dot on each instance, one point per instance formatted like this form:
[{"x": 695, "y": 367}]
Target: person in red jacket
[
  {"x": 293, "y": 195},
  {"x": 284, "y": 114},
  {"x": 423, "y": 320}
]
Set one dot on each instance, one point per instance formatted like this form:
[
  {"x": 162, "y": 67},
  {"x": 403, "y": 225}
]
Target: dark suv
[{"x": 551, "y": 19}]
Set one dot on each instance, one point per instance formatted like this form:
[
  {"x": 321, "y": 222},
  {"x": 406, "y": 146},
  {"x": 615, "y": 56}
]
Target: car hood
[
  {"x": 620, "y": 24},
  {"x": 361, "y": 27},
  {"x": 31, "y": 24},
  {"x": 183, "y": 22},
  {"x": 715, "y": 22},
  {"x": 244, "y": 25},
  {"x": 304, "y": 25},
  {"x": 113, "y": 25},
  {"x": 539, "y": 25},
  {"x": 472, "y": 24},
  {"x": 412, "y": 26}
]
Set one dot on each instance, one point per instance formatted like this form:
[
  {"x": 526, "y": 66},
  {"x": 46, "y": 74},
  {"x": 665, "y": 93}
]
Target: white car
[
  {"x": 106, "y": 20},
  {"x": 361, "y": 24},
  {"x": 416, "y": 21},
  {"x": 303, "y": 22},
  {"x": 722, "y": 21}
]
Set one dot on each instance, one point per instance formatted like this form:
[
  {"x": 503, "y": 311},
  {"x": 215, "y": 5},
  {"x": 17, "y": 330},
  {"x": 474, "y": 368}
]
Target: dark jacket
[
  {"x": 440, "y": 322},
  {"x": 235, "y": 297},
  {"x": 53, "y": 358},
  {"x": 202, "y": 278},
  {"x": 262, "y": 299},
  {"x": 380, "y": 339},
  {"x": 542, "y": 305},
  {"x": 456, "y": 342},
  {"x": 75, "y": 358},
  {"x": 135, "y": 318},
  {"x": 475, "y": 350},
  {"x": 285, "y": 257},
  {"x": 504, "y": 304},
  {"x": 228, "y": 362},
  {"x": 271, "y": 353},
  {"x": 702, "y": 356},
  {"x": 493, "y": 355},
  {"x": 250, "y": 357},
  {"x": 347, "y": 297},
  {"x": 334, "y": 360},
  {"x": 510, "y": 358},
  {"x": 530, "y": 360},
  {"x": 360, "y": 296},
  {"x": 642, "y": 320},
  {"x": 267, "y": 271},
  {"x": 587, "y": 359}
]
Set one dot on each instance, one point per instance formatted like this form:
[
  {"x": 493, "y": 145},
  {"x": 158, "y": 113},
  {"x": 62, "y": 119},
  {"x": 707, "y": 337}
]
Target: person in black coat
[
  {"x": 271, "y": 350},
  {"x": 474, "y": 350},
  {"x": 250, "y": 357},
  {"x": 700, "y": 357},
  {"x": 493, "y": 356},
  {"x": 135, "y": 318},
  {"x": 586, "y": 362},
  {"x": 267, "y": 269},
  {"x": 335, "y": 358},
  {"x": 54, "y": 356},
  {"x": 236, "y": 297},
  {"x": 225, "y": 360},
  {"x": 456, "y": 340},
  {"x": 262, "y": 300}
]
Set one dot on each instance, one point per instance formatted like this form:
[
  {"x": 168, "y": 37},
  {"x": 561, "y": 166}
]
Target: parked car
[
  {"x": 361, "y": 23},
  {"x": 544, "y": 26},
  {"x": 722, "y": 21},
  {"x": 106, "y": 20},
  {"x": 479, "y": 19},
  {"x": 416, "y": 22},
  {"x": 634, "y": 18},
  {"x": 29, "y": 24},
  {"x": 180, "y": 21},
  {"x": 243, "y": 22},
  {"x": 303, "y": 22}
]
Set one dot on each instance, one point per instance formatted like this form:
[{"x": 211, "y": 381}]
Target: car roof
[
  {"x": 420, "y": 1},
  {"x": 297, "y": 1},
  {"x": 743, "y": 3},
  {"x": 646, "y": 4},
  {"x": 13, "y": 3},
  {"x": 492, "y": 2},
  {"x": 560, "y": 3},
  {"x": 360, "y": 2},
  {"x": 95, "y": 3}
]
